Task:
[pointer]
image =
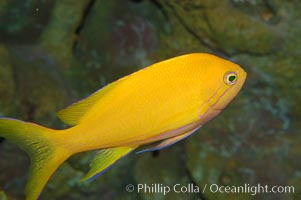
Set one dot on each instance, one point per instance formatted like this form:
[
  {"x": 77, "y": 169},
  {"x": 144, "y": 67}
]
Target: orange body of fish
[{"x": 160, "y": 105}]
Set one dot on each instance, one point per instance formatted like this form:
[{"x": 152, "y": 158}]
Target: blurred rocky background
[{"x": 54, "y": 52}]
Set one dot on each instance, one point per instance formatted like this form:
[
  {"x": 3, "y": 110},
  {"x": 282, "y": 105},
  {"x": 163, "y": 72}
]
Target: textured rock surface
[
  {"x": 159, "y": 172},
  {"x": 54, "y": 52},
  {"x": 7, "y": 85},
  {"x": 59, "y": 35}
]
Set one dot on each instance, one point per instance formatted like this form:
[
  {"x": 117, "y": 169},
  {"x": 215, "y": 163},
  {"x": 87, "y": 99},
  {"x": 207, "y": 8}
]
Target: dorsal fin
[{"x": 73, "y": 114}]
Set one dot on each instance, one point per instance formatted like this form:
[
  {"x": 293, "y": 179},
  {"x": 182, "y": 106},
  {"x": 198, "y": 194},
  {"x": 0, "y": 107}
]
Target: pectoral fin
[
  {"x": 104, "y": 159},
  {"x": 168, "y": 142}
]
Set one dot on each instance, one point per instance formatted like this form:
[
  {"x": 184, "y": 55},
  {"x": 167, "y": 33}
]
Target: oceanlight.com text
[
  {"x": 251, "y": 189},
  {"x": 163, "y": 189}
]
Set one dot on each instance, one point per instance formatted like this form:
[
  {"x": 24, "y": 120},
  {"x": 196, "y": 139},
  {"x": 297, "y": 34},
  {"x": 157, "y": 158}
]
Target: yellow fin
[
  {"x": 104, "y": 159},
  {"x": 73, "y": 114},
  {"x": 168, "y": 142},
  {"x": 45, "y": 156}
]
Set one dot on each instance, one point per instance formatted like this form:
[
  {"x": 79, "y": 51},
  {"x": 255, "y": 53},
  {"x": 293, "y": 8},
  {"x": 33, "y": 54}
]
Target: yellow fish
[{"x": 160, "y": 105}]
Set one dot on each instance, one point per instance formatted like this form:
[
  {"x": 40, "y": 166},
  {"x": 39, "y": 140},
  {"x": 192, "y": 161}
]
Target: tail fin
[{"x": 45, "y": 155}]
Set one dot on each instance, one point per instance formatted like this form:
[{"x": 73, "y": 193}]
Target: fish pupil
[{"x": 232, "y": 78}]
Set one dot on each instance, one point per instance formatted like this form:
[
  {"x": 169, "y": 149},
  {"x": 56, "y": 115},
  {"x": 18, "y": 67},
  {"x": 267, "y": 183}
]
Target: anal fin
[
  {"x": 168, "y": 142},
  {"x": 104, "y": 159}
]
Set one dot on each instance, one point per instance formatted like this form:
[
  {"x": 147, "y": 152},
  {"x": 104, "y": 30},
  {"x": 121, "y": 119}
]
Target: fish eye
[{"x": 230, "y": 78}]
